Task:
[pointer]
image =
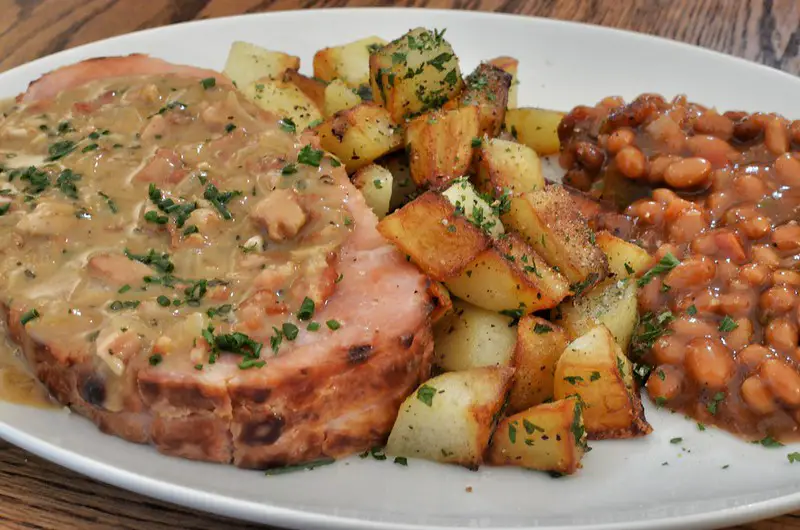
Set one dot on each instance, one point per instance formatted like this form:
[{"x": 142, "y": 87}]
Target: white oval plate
[{"x": 647, "y": 483}]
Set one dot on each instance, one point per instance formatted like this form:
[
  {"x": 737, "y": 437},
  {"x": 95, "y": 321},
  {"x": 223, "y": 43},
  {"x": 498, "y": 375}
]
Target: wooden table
[{"x": 37, "y": 494}]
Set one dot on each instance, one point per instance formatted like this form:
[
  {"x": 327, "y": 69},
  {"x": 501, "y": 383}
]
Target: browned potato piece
[
  {"x": 247, "y": 62},
  {"x": 428, "y": 230},
  {"x": 338, "y": 97},
  {"x": 416, "y": 73},
  {"x": 549, "y": 437},
  {"x": 624, "y": 258},
  {"x": 504, "y": 165},
  {"x": 359, "y": 135},
  {"x": 284, "y": 100},
  {"x": 550, "y": 221},
  {"x": 510, "y": 65},
  {"x": 349, "y": 62},
  {"x": 439, "y": 145},
  {"x": 536, "y": 128},
  {"x": 450, "y": 418},
  {"x": 313, "y": 88},
  {"x": 403, "y": 187},
  {"x": 442, "y": 303},
  {"x": 509, "y": 276},
  {"x": 471, "y": 337},
  {"x": 612, "y": 303},
  {"x": 486, "y": 88},
  {"x": 594, "y": 368},
  {"x": 539, "y": 345},
  {"x": 375, "y": 183}
]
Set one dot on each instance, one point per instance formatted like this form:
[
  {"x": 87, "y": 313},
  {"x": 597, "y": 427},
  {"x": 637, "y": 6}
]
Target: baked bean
[
  {"x": 631, "y": 162},
  {"x": 686, "y": 326},
  {"x": 778, "y": 299},
  {"x": 727, "y": 272},
  {"x": 612, "y": 102},
  {"x": 690, "y": 224},
  {"x": 688, "y": 173},
  {"x": 693, "y": 272},
  {"x": 794, "y": 131},
  {"x": 755, "y": 274},
  {"x": 665, "y": 382},
  {"x": 718, "y": 203},
  {"x": 676, "y": 207},
  {"x": 658, "y": 166},
  {"x": 749, "y": 187},
  {"x": 786, "y": 277},
  {"x": 713, "y": 124},
  {"x": 589, "y": 156},
  {"x": 756, "y": 227},
  {"x": 667, "y": 133},
  {"x": 663, "y": 250},
  {"x": 757, "y": 396},
  {"x": 765, "y": 255},
  {"x": 787, "y": 167},
  {"x": 707, "y": 301},
  {"x": 730, "y": 246},
  {"x": 737, "y": 304},
  {"x": 664, "y": 196},
  {"x": 748, "y": 128},
  {"x": 753, "y": 355},
  {"x": 721, "y": 179},
  {"x": 619, "y": 139},
  {"x": 787, "y": 237},
  {"x": 709, "y": 362},
  {"x": 781, "y": 335},
  {"x": 669, "y": 349},
  {"x": 649, "y": 212},
  {"x": 783, "y": 380},
  {"x": 740, "y": 337},
  {"x": 776, "y": 137},
  {"x": 705, "y": 244},
  {"x": 578, "y": 179},
  {"x": 717, "y": 152}
]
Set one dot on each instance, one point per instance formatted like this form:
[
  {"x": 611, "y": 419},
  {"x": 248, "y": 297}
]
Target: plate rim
[{"x": 226, "y": 506}]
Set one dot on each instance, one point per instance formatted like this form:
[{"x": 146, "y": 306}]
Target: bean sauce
[{"x": 716, "y": 198}]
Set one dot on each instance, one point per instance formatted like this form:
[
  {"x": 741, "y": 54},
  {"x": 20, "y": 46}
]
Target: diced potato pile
[{"x": 451, "y": 167}]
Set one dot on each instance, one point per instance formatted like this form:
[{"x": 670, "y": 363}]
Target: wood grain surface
[{"x": 37, "y": 494}]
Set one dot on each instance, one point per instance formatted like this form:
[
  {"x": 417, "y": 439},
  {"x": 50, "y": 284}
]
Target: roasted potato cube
[
  {"x": 313, "y": 88},
  {"x": 624, "y": 258},
  {"x": 450, "y": 418},
  {"x": 359, "y": 135},
  {"x": 536, "y": 128},
  {"x": 442, "y": 303},
  {"x": 485, "y": 88},
  {"x": 539, "y": 345},
  {"x": 471, "y": 337},
  {"x": 339, "y": 96},
  {"x": 509, "y": 276},
  {"x": 375, "y": 183},
  {"x": 247, "y": 62},
  {"x": 509, "y": 65},
  {"x": 551, "y": 223},
  {"x": 468, "y": 203},
  {"x": 349, "y": 62},
  {"x": 403, "y": 187},
  {"x": 439, "y": 145},
  {"x": 504, "y": 165},
  {"x": 612, "y": 303},
  {"x": 415, "y": 73},
  {"x": 549, "y": 437},
  {"x": 428, "y": 230},
  {"x": 594, "y": 368},
  {"x": 284, "y": 100}
]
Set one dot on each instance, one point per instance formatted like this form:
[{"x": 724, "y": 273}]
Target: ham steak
[{"x": 186, "y": 271}]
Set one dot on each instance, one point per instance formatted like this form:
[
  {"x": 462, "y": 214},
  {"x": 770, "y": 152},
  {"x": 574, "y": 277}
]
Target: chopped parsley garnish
[
  {"x": 651, "y": 327},
  {"x": 289, "y": 330},
  {"x": 208, "y": 82},
  {"x": 310, "y": 156},
  {"x": 333, "y": 324},
  {"x": 163, "y": 301},
  {"x": 666, "y": 264},
  {"x": 60, "y": 149},
  {"x": 578, "y": 287},
  {"x": 377, "y": 183},
  {"x": 335, "y": 163},
  {"x": 793, "y": 457},
  {"x": 691, "y": 310},
  {"x": 676, "y": 440},
  {"x": 476, "y": 142},
  {"x": 89, "y": 147},
  {"x": 224, "y": 309},
  {"x": 401, "y": 460},
  {"x": 700, "y": 426},
  {"x": 594, "y": 376},
  {"x": 159, "y": 262},
  {"x": 313, "y": 326},
  {"x": 769, "y": 441},
  {"x": 288, "y": 125},
  {"x": 191, "y": 229},
  {"x": 156, "y": 359},
  {"x": 715, "y": 400},
  {"x": 249, "y": 362},
  {"x": 169, "y": 207},
  {"x": 512, "y": 433},
  {"x": 426, "y": 394},
  {"x": 572, "y": 379},
  {"x": 220, "y": 199},
  {"x": 109, "y": 201},
  {"x": 5, "y": 208},
  {"x": 306, "y": 309},
  {"x": 530, "y": 427},
  {"x": 728, "y": 324},
  {"x": 119, "y": 305},
  {"x": 289, "y": 169},
  {"x": 541, "y": 329},
  {"x": 439, "y": 61},
  {"x": 153, "y": 217},
  {"x": 29, "y": 315},
  {"x": 628, "y": 268},
  {"x": 124, "y": 289},
  {"x": 66, "y": 183}
]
